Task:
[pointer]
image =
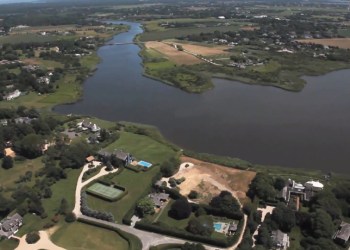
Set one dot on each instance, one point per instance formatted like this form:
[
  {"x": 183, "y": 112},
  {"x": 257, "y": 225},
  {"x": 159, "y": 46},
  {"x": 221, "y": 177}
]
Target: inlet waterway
[{"x": 264, "y": 125}]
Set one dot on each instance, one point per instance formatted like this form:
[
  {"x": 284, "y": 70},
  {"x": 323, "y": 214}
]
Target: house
[
  {"x": 104, "y": 155},
  {"x": 87, "y": 125},
  {"x": 12, "y": 95},
  {"x": 314, "y": 185},
  {"x": 23, "y": 120},
  {"x": 10, "y": 225},
  {"x": 123, "y": 156},
  {"x": 280, "y": 240},
  {"x": 93, "y": 139},
  {"x": 90, "y": 159},
  {"x": 9, "y": 152},
  {"x": 221, "y": 17},
  {"x": 3, "y": 122},
  {"x": 44, "y": 79},
  {"x": 343, "y": 234},
  {"x": 159, "y": 199},
  {"x": 232, "y": 228}
]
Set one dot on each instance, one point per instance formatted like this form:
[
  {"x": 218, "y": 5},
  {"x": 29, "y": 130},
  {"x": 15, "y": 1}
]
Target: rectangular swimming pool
[
  {"x": 217, "y": 227},
  {"x": 145, "y": 164}
]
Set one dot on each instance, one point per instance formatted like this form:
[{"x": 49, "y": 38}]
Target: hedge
[
  {"x": 180, "y": 234},
  {"x": 136, "y": 168},
  {"x": 217, "y": 212},
  {"x": 133, "y": 241}
]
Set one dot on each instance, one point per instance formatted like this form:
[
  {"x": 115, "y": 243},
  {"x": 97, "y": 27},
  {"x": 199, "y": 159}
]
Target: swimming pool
[
  {"x": 145, "y": 164},
  {"x": 217, "y": 227}
]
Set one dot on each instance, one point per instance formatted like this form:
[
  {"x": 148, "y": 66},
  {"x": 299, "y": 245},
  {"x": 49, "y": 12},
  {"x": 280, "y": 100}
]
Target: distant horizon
[{"x": 16, "y": 1}]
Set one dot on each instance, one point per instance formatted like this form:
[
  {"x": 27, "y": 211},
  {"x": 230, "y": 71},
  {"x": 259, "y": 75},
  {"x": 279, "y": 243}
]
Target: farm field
[
  {"x": 210, "y": 179},
  {"x": 78, "y": 236},
  {"x": 30, "y": 37},
  {"x": 174, "y": 55},
  {"x": 343, "y": 43}
]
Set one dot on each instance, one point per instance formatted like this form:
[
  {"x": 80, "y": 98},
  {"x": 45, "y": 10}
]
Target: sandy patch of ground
[
  {"x": 343, "y": 43},
  {"x": 31, "y": 61},
  {"x": 210, "y": 179},
  {"x": 204, "y": 50},
  {"x": 43, "y": 243},
  {"x": 249, "y": 28},
  {"x": 173, "y": 54}
]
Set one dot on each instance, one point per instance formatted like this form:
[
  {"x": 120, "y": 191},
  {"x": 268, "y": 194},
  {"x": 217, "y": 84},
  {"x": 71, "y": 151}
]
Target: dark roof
[
  {"x": 11, "y": 223},
  {"x": 104, "y": 153},
  {"x": 121, "y": 155},
  {"x": 344, "y": 232},
  {"x": 158, "y": 198}
]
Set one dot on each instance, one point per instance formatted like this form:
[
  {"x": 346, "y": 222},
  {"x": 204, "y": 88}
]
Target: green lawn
[
  {"x": 20, "y": 38},
  {"x": 65, "y": 188},
  {"x": 9, "y": 176},
  {"x": 77, "y": 236},
  {"x": 164, "y": 218},
  {"x": 142, "y": 147},
  {"x": 135, "y": 184},
  {"x": 90, "y": 61},
  {"x": 8, "y": 244}
]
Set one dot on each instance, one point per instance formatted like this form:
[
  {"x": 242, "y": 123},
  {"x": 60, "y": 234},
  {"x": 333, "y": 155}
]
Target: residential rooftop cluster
[{"x": 10, "y": 225}]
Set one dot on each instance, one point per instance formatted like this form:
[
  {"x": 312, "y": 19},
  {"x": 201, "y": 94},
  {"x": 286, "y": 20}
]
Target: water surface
[{"x": 260, "y": 124}]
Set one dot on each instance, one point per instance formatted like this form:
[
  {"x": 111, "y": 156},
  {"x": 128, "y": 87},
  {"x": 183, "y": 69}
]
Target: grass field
[
  {"x": 343, "y": 43},
  {"x": 104, "y": 191},
  {"x": 10, "y": 244},
  {"x": 21, "y": 38},
  {"x": 77, "y": 236},
  {"x": 9, "y": 176},
  {"x": 142, "y": 147},
  {"x": 63, "y": 189}
]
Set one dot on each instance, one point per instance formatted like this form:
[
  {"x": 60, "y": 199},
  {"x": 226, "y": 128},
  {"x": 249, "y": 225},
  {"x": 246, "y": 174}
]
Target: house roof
[
  {"x": 9, "y": 152},
  {"x": 344, "y": 231},
  {"x": 90, "y": 158},
  {"x": 104, "y": 153},
  {"x": 121, "y": 155},
  {"x": 233, "y": 227},
  {"x": 11, "y": 223},
  {"x": 158, "y": 198},
  {"x": 279, "y": 238}
]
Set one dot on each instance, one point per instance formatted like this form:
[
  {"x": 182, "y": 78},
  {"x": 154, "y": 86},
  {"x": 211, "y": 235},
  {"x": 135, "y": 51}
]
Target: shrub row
[
  {"x": 235, "y": 215},
  {"x": 180, "y": 234},
  {"x": 86, "y": 210}
]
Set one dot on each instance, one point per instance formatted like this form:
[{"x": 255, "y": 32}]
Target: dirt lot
[
  {"x": 210, "y": 179},
  {"x": 203, "y": 50},
  {"x": 173, "y": 54},
  {"x": 343, "y": 43}
]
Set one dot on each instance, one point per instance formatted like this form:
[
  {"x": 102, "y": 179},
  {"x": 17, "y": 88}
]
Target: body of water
[{"x": 260, "y": 124}]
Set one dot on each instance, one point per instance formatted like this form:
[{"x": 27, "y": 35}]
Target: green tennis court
[{"x": 105, "y": 191}]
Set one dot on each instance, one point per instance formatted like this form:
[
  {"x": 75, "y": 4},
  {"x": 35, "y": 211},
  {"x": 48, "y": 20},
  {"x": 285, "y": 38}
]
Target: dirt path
[
  {"x": 43, "y": 243},
  {"x": 265, "y": 211}
]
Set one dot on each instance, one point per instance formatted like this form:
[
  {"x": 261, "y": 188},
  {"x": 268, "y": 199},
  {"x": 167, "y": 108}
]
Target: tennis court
[{"x": 105, "y": 191}]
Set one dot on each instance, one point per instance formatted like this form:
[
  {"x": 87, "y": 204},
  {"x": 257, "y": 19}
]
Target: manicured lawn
[
  {"x": 8, "y": 244},
  {"x": 295, "y": 238},
  {"x": 164, "y": 218},
  {"x": 78, "y": 236},
  {"x": 135, "y": 184},
  {"x": 142, "y": 147}
]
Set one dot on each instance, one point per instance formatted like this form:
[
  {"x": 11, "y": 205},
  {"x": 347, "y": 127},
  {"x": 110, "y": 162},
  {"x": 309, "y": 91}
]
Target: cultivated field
[
  {"x": 343, "y": 43},
  {"x": 210, "y": 179},
  {"x": 204, "y": 50},
  {"x": 173, "y": 54}
]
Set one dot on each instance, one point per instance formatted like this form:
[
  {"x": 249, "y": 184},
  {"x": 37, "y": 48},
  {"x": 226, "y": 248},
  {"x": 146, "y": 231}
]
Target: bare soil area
[
  {"x": 343, "y": 43},
  {"x": 172, "y": 53},
  {"x": 210, "y": 179},
  {"x": 204, "y": 50}
]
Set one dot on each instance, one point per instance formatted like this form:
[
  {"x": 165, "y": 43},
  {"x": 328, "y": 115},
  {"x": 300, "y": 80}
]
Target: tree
[
  {"x": 264, "y": 237},
  {"x": 262, "y": 186},
  {"x": 284, "y": 217},
  {"x": 32, "y": 237},
  {"x": 202, "y": 225},
  {"x": 280, "y": 183},
  {"x": 170, "y": 167},
  {"x": 73, "y": 156},
  {"x": 30, "y": 146},
  {"x": 193, "y": 194},
  {"x": 145, "y": 206},
  {"x": 226, "y": 202},
  {"x": 180, "y": 209},
  {"x": 321, "y": 224},
  {"x": 64, "y": 206},
  {"x": 7, "y": 162},
  {"x": 70, "y": 217},
  {"x": 192, "y": 246}
]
